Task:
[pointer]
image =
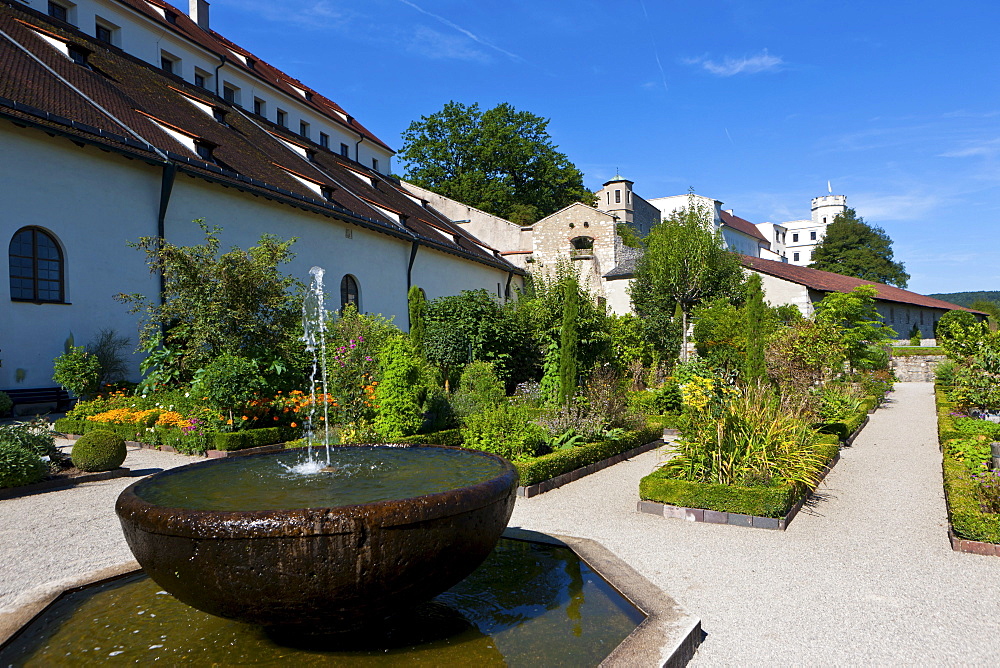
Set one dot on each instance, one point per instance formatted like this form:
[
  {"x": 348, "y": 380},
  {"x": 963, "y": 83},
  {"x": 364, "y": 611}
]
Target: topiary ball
[
  {"x": 98, "y": 450},
  {"x": 19, "y": 466}
]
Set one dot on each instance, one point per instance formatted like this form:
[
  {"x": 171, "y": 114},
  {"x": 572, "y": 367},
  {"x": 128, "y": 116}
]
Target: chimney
[{"x": 198, "y": 11}]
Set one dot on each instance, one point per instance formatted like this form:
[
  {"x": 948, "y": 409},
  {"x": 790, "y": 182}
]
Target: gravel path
[
  {"x": 866, "y": 575},
  {"x": 54, "y": 537}
]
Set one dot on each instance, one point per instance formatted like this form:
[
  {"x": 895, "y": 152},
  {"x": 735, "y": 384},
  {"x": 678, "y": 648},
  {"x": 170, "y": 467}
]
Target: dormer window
[
  {"x": 327, "y": 192},
  {"x": 78, "y": 55},
  {"x": 251, "y": 63},
  {"x": 308, "y": 94},
  {"x": 219, "y": 114},
  {"x": 205, "y": 150},
  {"x": 171, "y": 17}
]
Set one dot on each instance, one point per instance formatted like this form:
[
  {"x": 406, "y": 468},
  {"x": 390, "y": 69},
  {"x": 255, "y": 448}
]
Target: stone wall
[{"x": 916, "y": 368}]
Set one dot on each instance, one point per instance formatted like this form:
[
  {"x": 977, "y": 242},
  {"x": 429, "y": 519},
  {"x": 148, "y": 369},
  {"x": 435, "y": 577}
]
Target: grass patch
[{"x": 909, "y": 351}]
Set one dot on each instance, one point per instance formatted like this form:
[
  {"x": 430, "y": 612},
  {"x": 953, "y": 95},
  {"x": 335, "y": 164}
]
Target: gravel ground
[
  {"x": 864, "y": 575},
  {"x": 54, "y": 537}
]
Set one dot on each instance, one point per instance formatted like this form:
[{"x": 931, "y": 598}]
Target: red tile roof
[
  {"x": 741, "y": 225},
  {"x": 140, "y": 100},
  {"x": 825, "y": 281}
]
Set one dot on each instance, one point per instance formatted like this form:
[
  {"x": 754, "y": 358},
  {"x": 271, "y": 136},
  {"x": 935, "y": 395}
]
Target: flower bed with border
[{"x": 972, "y": 529}]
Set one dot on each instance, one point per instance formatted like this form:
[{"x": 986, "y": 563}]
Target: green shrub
[
  {"x": 506, "y": 431},
  {"x": 478, "y": 390},
  {"x": 535, "y": 470},
  {"x": 33, "y": 435},
  {"x": 78, "y": 371},
  {"x": 250, "y": 438},
  {"x": 5, "y": 403},
  {"x": 229, "y": 382},
  {"x": 398, "y": 412},
  {"x": 19, "y": 466},
  {"x": 944, "y": 372},
  {"x": 99, "y": 450}
]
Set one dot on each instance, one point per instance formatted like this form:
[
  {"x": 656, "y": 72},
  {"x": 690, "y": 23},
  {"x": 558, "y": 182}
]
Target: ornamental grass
[{"x": 745, "y": 437}]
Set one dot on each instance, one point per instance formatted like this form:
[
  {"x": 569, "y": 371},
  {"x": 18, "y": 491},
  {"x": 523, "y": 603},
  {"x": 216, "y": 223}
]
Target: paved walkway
[{"x": 865, "y": 576}]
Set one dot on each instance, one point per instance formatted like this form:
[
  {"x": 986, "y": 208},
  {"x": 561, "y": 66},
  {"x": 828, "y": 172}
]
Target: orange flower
[
  {"x": 294, "y": 425},
  {"x": 244, "y": 417},
  {"x": 229, "y": 421}
]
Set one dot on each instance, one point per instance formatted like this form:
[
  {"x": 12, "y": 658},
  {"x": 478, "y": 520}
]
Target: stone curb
[
  {"x": 732, "y": 519},
  {"x": 560, "y": 480},
  {"x": 49, "y": 485},
  {"x": 669, "y": 636},
  {"x": 973, "y": 546}
]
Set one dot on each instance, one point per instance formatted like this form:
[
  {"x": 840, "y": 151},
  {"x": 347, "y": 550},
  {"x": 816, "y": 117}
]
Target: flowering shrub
[{"x": 988, "y": 488}]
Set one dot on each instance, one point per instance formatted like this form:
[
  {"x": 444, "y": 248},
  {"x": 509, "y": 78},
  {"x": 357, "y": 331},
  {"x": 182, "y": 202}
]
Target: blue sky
[{"x": 757, "y": 103}]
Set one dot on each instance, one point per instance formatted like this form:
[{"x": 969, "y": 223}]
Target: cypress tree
[
  {"x": 568, "y": 342},
  {"x": 756, "y": 323},
  {"x": 416, "y": 304}
]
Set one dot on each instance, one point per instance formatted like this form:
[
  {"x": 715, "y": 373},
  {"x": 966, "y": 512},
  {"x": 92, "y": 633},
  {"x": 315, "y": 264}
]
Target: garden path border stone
[
  {"x": 61, "y": 483},
  {"x": 973, "y": 546}
]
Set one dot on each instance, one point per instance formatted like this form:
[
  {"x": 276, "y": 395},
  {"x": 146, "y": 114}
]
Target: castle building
[
  {"x": 122, "y": 119},
  {"x": 795, "y": 241}
]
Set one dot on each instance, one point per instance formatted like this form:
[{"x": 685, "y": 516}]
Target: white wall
[{"x": 92, "y": 202}]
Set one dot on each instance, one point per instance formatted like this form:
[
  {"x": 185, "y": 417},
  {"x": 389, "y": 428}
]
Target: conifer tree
[
  {"x": 852, "y": 247},
  {"x": 756, "y": 318},
  {"x": 417, "y": 305},
  {"x": 568, "y": 342}
]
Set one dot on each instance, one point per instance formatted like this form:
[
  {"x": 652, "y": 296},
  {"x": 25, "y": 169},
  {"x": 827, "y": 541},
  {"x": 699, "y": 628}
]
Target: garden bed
[
  {"x": 756, "y": 507},
  {"x": 724, "y": 495},
  {"x": 528, "y": 491},
  {"x": 219, "y": 443},
  {"x": 61, "y": 481},
  {"x": 971, "y": 528}
]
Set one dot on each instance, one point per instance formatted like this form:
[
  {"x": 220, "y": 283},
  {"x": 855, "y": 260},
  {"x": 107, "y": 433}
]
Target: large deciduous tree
[
  {"x": 500, "y": 160},
  {"x": 852, "y": 247},
  {"x": 685, "y": 263}
]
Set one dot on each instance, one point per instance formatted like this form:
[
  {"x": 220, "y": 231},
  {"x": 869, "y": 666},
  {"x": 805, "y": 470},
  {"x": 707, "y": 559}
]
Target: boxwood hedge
[{"x": 539, "y": 469}]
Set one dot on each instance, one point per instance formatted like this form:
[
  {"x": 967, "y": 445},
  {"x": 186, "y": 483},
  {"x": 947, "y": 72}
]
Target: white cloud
[
  {"x": 454, "y": 26},
  {"x": 985, "y": 148},
  {"x": 762, "y": 62},
  {"x": 437, "y": 45}
]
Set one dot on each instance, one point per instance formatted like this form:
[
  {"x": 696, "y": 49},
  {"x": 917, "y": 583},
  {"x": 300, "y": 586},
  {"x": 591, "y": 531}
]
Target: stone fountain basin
[{"x": 330, "y": 569}]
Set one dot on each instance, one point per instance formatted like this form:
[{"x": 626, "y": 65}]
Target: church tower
[{"x": 616, "y": 198}]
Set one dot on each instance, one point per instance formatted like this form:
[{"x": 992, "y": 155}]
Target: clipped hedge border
[
  {"x": 971, "y": 530},
  {"x": 220, "y": 441},
  {"x": 539, "y": 470}
]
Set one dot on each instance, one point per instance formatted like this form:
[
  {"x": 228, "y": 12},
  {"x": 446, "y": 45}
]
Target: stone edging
[
  {"x": 62, "y": 483},
  {"x": 733, "y": 519},
  {"x": 973, "y": 546},
  {"x": 576, "y": 474},
  {"x": 669, "y": 636}
]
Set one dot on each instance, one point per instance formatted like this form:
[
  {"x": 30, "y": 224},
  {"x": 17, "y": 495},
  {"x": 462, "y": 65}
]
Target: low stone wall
[{"x": 916, "y": 368}]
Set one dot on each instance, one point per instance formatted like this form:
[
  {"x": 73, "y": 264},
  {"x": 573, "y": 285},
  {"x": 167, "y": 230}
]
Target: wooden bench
[{"x": 40, "y": 395}]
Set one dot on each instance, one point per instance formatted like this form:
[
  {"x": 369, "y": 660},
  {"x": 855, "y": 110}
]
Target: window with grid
[{"x": 36, "y": 267}]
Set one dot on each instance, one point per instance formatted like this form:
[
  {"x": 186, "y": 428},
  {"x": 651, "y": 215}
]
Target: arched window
[
  {"x": 582, "y": 243},
  {"x": 36, "y": 267},
  {"x": 349, "y": 293}
]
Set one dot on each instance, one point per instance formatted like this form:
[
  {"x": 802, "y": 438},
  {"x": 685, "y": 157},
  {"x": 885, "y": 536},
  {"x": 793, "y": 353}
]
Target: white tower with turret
[{"x": 802, "y": 236}]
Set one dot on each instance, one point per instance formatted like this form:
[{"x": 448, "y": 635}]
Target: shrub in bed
[
  {"x": 19, "y": 465},
  {"x": 545, "y": 467},
  {"x": 446, "y": 437},
  {"x": 99, "y": 450}
]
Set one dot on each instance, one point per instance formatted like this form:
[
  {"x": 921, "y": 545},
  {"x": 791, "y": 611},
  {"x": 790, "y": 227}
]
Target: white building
[
  {"x": 128, "y": 118},
  {"x": 796, "y": 240}
]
